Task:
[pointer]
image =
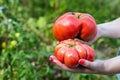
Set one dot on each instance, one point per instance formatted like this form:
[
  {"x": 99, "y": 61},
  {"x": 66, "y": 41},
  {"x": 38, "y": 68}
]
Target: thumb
[{"x": 85, "y": 63}]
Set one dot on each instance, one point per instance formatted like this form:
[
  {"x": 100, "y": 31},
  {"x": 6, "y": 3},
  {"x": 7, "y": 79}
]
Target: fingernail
[
  {"x": 81, "y": 61},
  {"x": 54, "y": 62},
  {"x": 50, "y": 58}
]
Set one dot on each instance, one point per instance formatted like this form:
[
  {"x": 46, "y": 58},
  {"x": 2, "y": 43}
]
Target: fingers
[
  {"x": 81, "y": 69},
  {"x": 58, "y": 63},
  {"x": 63, "y": 66},
  {"x": 93, "y": 67},
  {"x": 51, "y": 58},
  {"x": 84, "y": 42},
  {"x": 81, "y": 41},
  {"x": 54, "y": 59},
  {"x": 86, "y": 63}
]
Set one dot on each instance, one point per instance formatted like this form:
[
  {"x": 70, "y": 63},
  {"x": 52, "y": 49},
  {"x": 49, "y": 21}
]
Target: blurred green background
[{"x": 26, "y": 39}]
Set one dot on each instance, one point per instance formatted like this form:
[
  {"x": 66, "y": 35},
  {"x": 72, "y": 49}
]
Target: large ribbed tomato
[
  {"x": 75, "y": 25},
  {"x": 70, "y": 51}
]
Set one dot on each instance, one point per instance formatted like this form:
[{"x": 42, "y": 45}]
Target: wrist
[
  {"x": 112, "y": 66},
  {"x": 102, "y": 30},
  {"x": 109, "y": 29},
  {"x": 99, "y": 31},
  {"x": 102, "y": 67},
  {"x": 108, "y": 69}
]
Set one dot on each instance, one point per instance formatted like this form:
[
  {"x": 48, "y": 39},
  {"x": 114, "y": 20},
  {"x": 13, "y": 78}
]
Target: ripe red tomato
[
  {"x": 70, "y": 51},
  {"x": 75, "y": 25},
  {"x": 66, "y": 26}
]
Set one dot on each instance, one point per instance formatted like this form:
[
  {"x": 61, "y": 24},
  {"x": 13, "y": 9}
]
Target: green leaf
[{"x": 41, "y": 22}]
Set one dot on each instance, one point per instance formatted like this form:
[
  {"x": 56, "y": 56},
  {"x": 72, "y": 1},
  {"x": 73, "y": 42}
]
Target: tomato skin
[
  {"x": 61, "y": 53},
  {"x": 88, "y": 27},
  {"x": 75, "y": 25},
  {"x": 70, "y": 51},
  {"x": 71, "y": 58},
  {"x": 67, "y": 26},
  {"x": 81, "y": 51},
  {"x": 90, "y": 52}
]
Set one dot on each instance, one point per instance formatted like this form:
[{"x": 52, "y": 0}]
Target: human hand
[
  {"x": 95, "y": 67},
  {"x": 108, "y": 30}
]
